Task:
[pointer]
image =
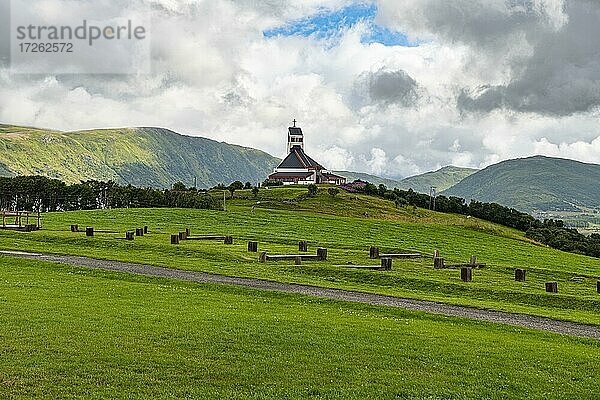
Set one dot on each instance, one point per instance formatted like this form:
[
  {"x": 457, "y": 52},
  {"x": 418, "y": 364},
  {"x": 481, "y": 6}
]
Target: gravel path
[{"x": 520, "y": 320}]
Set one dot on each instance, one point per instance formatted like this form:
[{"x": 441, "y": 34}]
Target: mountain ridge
[{"x": 536, "y": 183}]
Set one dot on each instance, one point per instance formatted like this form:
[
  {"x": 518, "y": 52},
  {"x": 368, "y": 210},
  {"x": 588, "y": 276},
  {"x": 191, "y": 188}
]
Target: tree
[
  {"x": 248, "y": 185},
  {"x": 237, "y": 185},
  {"x": 179, "y": 187},
  {"x": 255, "y": 192},
  {"x": 312, "y": 190},
  {"x": 333, "y": 191}
]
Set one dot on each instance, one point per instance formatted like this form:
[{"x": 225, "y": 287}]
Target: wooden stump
[
  {"x": 174, "y": 239},
  {"x": 302, "y": 245},
  {"x": 89, "y": 231},
  {"x": 438, "y": 262},
  {"x": 386, "y": 264},
  {"x": 145, "y": 229},
  {"x": 373, "y": 252},
  {"x": 139, "y": 231},
  {"x": 74, "y": 228},
  {"x": 466, "y": 274},
  {"x": 520, "y": 275},
  {"x": 129, "y": 235},
  {"x": 182, "y": 236},
  {"x": 188, "y": 233},
  {"x": 262, "y": 257},
  {"x": 228, "y": 240},
  {"x": 298, "y": 260},
  {"x": 552, "y": 287},
  {"x": 436, "y": 253},
  {"x": 322, "y": 253},
  {"x": 253, "y": 247},
  {"x": 473, "y": 260}
]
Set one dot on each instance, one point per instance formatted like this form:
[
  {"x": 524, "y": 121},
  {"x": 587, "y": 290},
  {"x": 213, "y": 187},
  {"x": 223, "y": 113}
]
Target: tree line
[
  {"x": 550, "y": 232},
  {"x": 38, "y": 193}
]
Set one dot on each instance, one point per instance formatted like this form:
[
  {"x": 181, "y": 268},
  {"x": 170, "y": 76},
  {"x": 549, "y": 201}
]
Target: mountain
[
  {"x": 442, "y": 179},
  {"x": 376, "y": 180},
  {"x": 140, "y": 156},
  {"x": 534, "y": 183}
]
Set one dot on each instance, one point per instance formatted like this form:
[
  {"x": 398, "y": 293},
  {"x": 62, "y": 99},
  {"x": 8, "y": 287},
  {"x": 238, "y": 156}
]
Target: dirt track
[{"x": 521, "y": 320}]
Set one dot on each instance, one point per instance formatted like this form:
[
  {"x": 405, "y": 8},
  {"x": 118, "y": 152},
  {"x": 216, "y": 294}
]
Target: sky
[{"x": 392, "y": 88}]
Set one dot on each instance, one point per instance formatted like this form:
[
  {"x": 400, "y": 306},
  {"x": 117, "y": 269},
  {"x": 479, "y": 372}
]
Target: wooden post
[
  {"x": 253, "y": 247},
  {"x": 4, "y": 219},
  {"x": 129, "y": 235},
  {"x": 145, "y": 229},
  {"x": 302, "y": 245},
  {"x": 520, "y": 275},
  {"x": 74, "y": 228},
  {"x": 466, "y": 274},
  {"x": 598, "y": 286},
  {"x": 436, "y": 253},
  {"x": 262, "y": 257},
  {"x": 188, "y": 232},
  {"x": 386, "y": 263},
  {"x": 438, "y": 262},
  {"x": 298, "y": 260},
  {"x": 39, "y": 220},
  {"x": 89, "y": 231},
  {"x": 473, "y": 260},
  {"x": 228, "y": 240},
  {"x": 139, "y": 231},
  {"x": 373, "y": 252},
  {"x": 182, "y": 236},
  {"x": 174, "y": 239},
  {"x": 322, "y": 253},
  {"x": 552, "y": 287}
]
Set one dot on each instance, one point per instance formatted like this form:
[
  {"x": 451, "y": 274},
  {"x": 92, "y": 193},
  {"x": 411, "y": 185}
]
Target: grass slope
[
  {"x": 442, "y": 179},
  {"x": 534, "y": 183},
  {"x": 74, "y": 333},
  {"x": 281, "y": 217},
  {"x": 140, "y": 156}
]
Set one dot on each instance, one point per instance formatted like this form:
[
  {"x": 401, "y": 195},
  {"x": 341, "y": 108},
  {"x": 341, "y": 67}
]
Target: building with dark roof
[{"x": 297, "y": 168}]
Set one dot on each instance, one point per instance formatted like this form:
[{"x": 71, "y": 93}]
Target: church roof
[
  {"x": 299, "y": 159},
  {"x": 290, "y": 175},
  {"x": 294, "y": 130}
]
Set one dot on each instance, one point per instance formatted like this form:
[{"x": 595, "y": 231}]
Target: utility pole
[
  {"x": 432, "y": 196},
  {"x": 224, "y": 205}
]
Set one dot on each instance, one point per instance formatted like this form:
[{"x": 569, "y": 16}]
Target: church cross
[{"x": 294, "y": 121}]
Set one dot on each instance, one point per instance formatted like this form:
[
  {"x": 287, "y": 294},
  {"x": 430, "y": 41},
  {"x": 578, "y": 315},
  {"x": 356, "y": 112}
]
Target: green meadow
[
  {"x": 279, "y": 217},
  {"x": 69, "y": 332}
]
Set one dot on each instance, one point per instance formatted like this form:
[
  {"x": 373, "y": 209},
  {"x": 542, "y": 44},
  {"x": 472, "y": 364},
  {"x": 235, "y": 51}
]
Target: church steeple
[{"x": 295, "y": 137}]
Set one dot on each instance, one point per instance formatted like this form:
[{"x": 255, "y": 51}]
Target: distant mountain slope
[
  {"x": 534, "y": 183},
  {"x": 140, "y": 156},
  {"x": 442, "y": 179},
  {"x": 376, "y": 180}
]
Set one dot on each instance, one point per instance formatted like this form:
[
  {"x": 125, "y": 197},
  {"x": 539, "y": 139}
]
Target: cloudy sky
[{"x": 387, "y": 87}]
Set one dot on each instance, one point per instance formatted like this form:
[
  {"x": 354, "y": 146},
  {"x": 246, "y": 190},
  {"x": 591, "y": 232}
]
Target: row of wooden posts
[
  {"x": 466, "y": 270},
  {"x": 129, "y": 235}
]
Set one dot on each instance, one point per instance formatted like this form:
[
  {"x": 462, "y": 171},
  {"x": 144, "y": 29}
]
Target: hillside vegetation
[
  {"x": 534, "y": 183},
  {"x": 441, "y": 179},
  {"x": 139, "y": 156}
]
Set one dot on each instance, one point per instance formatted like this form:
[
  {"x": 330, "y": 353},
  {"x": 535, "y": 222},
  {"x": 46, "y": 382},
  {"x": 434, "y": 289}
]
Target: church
[{"x": 297, "y": 168}]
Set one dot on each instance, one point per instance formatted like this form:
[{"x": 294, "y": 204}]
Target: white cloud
[{"x": 216, "y": 75}]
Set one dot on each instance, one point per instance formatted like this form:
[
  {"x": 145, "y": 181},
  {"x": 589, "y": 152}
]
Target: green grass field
[
  {"x": 280, "y": 219},
  {"x": 75, "y": 333}
]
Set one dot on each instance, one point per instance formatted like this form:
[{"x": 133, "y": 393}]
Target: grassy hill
[
  {"x": 140, "y": 156},
  {"x": 442, "y": 179},
  {"x": 534, "y": 183},
  {"x": 75, "y": 332}
]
